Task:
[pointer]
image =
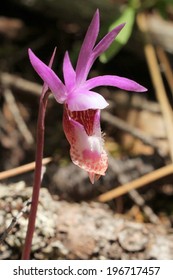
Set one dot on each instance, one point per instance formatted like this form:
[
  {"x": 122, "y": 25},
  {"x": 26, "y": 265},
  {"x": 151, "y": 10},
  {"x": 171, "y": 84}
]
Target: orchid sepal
[
  {"x": 114, "y": 81},
  {"x": 49, "y": 77}
]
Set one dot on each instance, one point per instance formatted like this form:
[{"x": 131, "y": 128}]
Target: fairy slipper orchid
[{"x": 82, "y": 105}]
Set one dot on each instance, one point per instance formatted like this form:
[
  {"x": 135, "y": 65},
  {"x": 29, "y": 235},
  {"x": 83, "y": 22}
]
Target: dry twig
[
  {"x": 10, "y": 100},
  {"x": 115, "y": 121},
  {"x": 8, "y": 80},
  {"x": 22, "y": 169},
  {"x": 166, "y": 66},
  {"x": 157, "y": 81},
  {"x": 15, "y": 219},
  {"x": 138, "y": 199},
  {"x": 134, "y": 194},
  {"x": 138, "y": 183}
]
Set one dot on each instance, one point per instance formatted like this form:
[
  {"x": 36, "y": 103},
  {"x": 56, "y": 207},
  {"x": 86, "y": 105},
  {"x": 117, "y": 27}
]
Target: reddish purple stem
[{"x": 37, "y": 176}]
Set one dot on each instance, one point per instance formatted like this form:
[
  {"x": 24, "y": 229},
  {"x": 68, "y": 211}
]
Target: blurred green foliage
[{"x": 128, "y": 15}]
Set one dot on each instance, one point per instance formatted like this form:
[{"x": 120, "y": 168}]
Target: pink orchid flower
[{"x": 81, "y": 118}]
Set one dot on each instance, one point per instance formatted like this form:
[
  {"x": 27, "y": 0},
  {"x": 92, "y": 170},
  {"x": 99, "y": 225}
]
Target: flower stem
[{"x": 37, "y": 175}]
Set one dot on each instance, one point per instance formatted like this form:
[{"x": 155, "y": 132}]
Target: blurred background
[{"x": 138, "y": 127}]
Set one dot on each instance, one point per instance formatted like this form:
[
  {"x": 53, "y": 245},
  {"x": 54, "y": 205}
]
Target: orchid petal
[
  {"x": 86, "y": 49},
  {"x": 85, "y": 100},
  {"x": 49, "y": 77},
  {"x": 114, "y": 81},
  {"x": 69, "y": 73}
]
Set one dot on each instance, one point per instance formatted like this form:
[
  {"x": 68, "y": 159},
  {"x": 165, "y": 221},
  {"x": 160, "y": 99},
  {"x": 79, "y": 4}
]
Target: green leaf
[{"x": 128, "y": 16}]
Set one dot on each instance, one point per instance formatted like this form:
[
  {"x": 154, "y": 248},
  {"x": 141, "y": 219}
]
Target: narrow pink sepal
[
  {"x": 106, "y": 41},
  {"x": 102, "y": 46},
  {"x": 87, "y": 47},
  {"x": 49, "y": 77},
  {"x": 114, "y": 81}
]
